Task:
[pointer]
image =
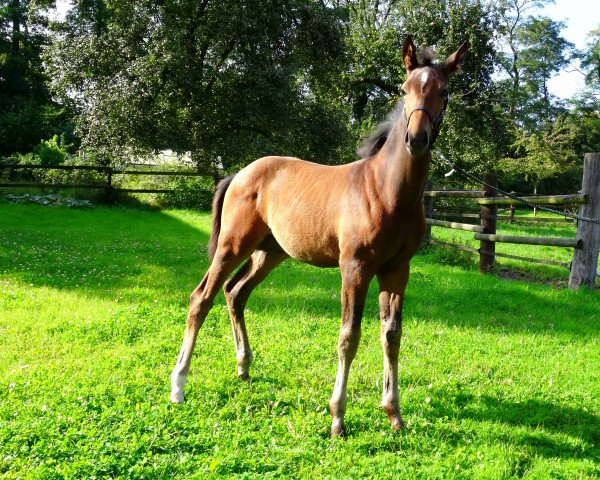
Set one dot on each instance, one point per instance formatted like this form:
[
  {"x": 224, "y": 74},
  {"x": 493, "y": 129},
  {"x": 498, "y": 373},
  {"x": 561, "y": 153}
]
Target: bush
[
  {"x": 190, "y": 192},
  {"x": 50, "y": 152}
]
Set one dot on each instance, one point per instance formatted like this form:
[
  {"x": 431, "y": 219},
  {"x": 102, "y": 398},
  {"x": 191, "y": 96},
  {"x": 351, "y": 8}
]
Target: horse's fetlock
[{"x": 244, "y": 358}]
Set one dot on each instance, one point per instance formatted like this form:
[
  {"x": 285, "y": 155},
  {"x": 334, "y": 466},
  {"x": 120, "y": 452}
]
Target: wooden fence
[
  {"x": 108, "y": 172},
  {"x": 586, "y": 243}
]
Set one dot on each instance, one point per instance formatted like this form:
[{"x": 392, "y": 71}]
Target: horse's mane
[{"x": 373, "y": 143}]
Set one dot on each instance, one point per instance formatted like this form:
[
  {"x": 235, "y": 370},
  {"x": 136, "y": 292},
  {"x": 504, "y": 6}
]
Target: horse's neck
[{"x": 402, "y": 177}]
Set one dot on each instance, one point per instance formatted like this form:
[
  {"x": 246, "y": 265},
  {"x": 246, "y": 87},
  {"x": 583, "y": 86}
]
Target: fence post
[
  {"x": 488, "y": 222},
  {"x": 585, "y": 259},
  {"x": 110, "y": 194},
  {"x": 511, "y": 215},
  {"x": 428, "y": 208}
]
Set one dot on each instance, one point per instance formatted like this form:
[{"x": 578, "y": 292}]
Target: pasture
[{"x": 498, "y": 379}]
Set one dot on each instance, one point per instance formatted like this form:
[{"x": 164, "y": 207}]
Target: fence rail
[
  {"x": 459, "y": 226},
  {"x": 586, "y": 244},
  {"x": 454, "y": 193},
  {"x": 108, "y": 186},
  {"x": 576, "y": 199},
  {"x": 549, "y": 241},
  {"x": 511, "y": 218}
]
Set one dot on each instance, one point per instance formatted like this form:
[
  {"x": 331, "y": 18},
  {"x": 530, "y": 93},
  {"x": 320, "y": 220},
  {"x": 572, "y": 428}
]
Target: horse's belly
[{"x": 307, "y": 243}]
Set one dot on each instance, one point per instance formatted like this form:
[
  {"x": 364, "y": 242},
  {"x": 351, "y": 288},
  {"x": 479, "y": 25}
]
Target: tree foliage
[
  {"x": 545, "y": 53},
  {"x": 226, "y": 81},
  {"x": 544, "y": 154},
  {"x": 543, "y": 131},
  {"x": 27, "y": 113},
  {"x": 591, "y": 58},
  {"x": 232, "y": 80}
]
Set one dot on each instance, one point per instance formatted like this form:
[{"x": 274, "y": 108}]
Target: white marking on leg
[
  {"x": 179, "y": 377},
  {"x": 337, "y": 404},
  {"x": 178, "y": 381}
]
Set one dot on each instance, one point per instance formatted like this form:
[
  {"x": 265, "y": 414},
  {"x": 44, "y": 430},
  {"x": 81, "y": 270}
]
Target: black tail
[{"x": 217, "y": 208}]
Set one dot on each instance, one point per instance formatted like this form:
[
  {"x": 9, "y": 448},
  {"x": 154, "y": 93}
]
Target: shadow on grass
[
  {"x": 539, "y": 418},
  {"x": 100, "y": 250},
  {"x": 545, "y": 429},
  {"x": 107, "y": 249},
  {"x": 449, "y": 296}
]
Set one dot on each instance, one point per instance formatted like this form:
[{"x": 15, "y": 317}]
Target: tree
[
  {"x": 545, "y": 154},
  {"x": 513, "y": 15},
  {"x": 591, "y": 58},
  {"x": 544, "y": 133},
  {"x": 544, "y": 53},
  {"x": 227, "y": 81},
  {"x": 585, "y": 110},
  {"x": 532, "y": 51},
  {"x": 27, "y": 112}
]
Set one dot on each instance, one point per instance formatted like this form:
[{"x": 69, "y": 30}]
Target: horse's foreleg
[
  {"x": 237, "y": 291},
  {"x": 355, "y": 283},
  {"x": 391, "y": 297},
  {"x": 201, "y": 301}
]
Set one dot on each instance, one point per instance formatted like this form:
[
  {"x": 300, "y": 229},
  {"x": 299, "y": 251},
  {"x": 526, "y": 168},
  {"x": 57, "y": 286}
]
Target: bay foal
[{"x": 364, "y": 217}]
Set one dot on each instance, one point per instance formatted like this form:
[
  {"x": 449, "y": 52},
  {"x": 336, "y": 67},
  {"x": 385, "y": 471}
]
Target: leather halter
[{"x": 436, "y": 122}]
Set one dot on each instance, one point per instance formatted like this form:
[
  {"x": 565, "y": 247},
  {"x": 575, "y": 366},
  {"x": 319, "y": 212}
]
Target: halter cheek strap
[{"x": 436, "y": 122}]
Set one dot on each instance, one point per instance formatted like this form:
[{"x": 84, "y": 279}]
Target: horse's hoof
[
  {"x": 338, "y": 429},
  {"x": 176, "y": 397},
  {"x": 393, "y": 415},
  {"x": 397, "y": 424},
  {"x": 244, "y": 376}
]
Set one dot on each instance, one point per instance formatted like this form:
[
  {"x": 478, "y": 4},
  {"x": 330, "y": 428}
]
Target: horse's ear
[
  {"x": 409, "y": 54},
  {"x": 452, "y": 63}
]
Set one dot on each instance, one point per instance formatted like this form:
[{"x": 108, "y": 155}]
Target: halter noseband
[{"x": 436, "y": 122}]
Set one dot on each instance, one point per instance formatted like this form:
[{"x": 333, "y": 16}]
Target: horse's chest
[{"x": 388, "y": 239}]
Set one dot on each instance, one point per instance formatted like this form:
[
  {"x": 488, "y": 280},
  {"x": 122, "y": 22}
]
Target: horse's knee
[{"x": 392, "y": 336}]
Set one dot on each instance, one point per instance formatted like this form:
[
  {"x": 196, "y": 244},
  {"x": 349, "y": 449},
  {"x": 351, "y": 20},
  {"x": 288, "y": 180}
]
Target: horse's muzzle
[{"x": 417, "y": 143}]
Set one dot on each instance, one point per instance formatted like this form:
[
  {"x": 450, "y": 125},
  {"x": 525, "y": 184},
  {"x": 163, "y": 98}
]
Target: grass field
[{"x": 499, "y": 379}]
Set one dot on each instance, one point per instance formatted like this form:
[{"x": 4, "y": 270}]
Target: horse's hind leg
[
  {"x": 237, "y": 291},
  {"x": 201, "y": 301}
]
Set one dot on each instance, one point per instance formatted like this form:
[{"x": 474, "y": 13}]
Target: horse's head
[{"x": 425, "y": 96}]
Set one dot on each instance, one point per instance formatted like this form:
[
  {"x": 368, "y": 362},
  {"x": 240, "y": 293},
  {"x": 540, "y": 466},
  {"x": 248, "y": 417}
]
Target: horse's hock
[{"x": 584, "y": 267}]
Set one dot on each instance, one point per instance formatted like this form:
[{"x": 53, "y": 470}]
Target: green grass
[{"x": 498, "y": 379}]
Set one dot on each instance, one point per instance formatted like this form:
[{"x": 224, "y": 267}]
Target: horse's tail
[{"x": 217, "y": 208}]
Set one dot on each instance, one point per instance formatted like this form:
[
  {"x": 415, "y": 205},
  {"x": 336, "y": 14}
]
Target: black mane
[{"x": 373, "y": 143}]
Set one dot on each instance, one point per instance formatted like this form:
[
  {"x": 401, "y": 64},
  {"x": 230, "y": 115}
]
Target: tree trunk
[{"x": 15, "y": 14}]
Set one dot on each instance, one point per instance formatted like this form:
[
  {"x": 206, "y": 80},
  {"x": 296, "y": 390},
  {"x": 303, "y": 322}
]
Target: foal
[{"x": 364, "y": 217}]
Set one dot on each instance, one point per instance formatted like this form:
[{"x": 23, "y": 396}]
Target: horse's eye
[{"x": 444, "y": 94}]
